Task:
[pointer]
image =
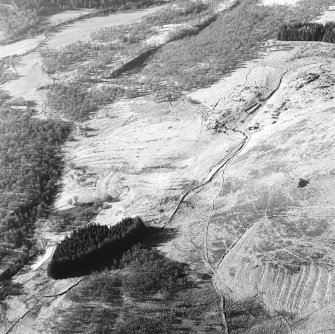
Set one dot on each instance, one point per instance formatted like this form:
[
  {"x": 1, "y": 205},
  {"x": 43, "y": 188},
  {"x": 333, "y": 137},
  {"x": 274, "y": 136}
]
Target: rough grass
[{"x": 102, "y": 302}]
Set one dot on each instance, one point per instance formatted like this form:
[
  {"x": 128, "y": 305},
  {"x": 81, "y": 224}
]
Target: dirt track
[{"x": 228, "y": 188}]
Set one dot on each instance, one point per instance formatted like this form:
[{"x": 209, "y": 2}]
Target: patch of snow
[
  {"x": 83, "y": 29},
  {"x": 67, "y": 16},
  {"x": 21, "y": 47},
  {"x": 142, "y": 154},
  {"x": 41, "y": 259},
  {"x": 30, "y": 78},
  {"x": 328, "y": 16}
]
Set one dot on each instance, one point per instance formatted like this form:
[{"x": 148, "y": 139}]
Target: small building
[{"x": 254, "y": 127}]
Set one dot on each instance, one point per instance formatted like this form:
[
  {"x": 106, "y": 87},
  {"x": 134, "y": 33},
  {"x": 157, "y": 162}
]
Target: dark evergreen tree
[
  {"x": 307, "y": 31},
  {"x": 92, "y": 244},
  {"x": 31, "y": 164}
]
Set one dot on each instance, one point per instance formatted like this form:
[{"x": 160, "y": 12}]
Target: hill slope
[{"x": 239, "y": 173}]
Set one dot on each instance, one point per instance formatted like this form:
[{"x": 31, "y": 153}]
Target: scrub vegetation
[
  {"x": 16, "y": 22},
  {"x": 117, "y": 42},
  {"x": 9, "y": 288},
  {"x": 79, "y": 215},
  {"x": 93, "y": 63},
  {"x": 76, "y": 102},
  {"x": 21, "y": 17},
  {"x": 148, "y": 293}
]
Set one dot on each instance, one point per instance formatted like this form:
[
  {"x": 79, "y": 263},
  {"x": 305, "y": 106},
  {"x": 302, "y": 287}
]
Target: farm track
[
  {"x": 38, "y": 300},
  {"x": 311, "y": 286},
  {"x": 222, "y": 168}
]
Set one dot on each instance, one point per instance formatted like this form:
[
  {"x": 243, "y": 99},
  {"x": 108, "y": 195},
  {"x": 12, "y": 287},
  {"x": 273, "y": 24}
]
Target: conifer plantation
[
  {"x": 92, "y": 244},
  {"x": 308, "y": 31}
]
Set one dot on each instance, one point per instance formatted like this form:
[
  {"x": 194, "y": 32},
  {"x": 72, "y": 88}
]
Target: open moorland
[{"x": 167, "y": 167}]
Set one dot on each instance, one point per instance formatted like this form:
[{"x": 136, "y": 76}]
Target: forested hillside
[{"x": 31, "y": 164}]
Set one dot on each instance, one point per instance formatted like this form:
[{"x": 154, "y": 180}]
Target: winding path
[{"x": 222, "y": 168}]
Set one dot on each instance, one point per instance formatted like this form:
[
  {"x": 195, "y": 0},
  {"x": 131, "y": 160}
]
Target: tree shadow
[{"x": 158, "y": 236}]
